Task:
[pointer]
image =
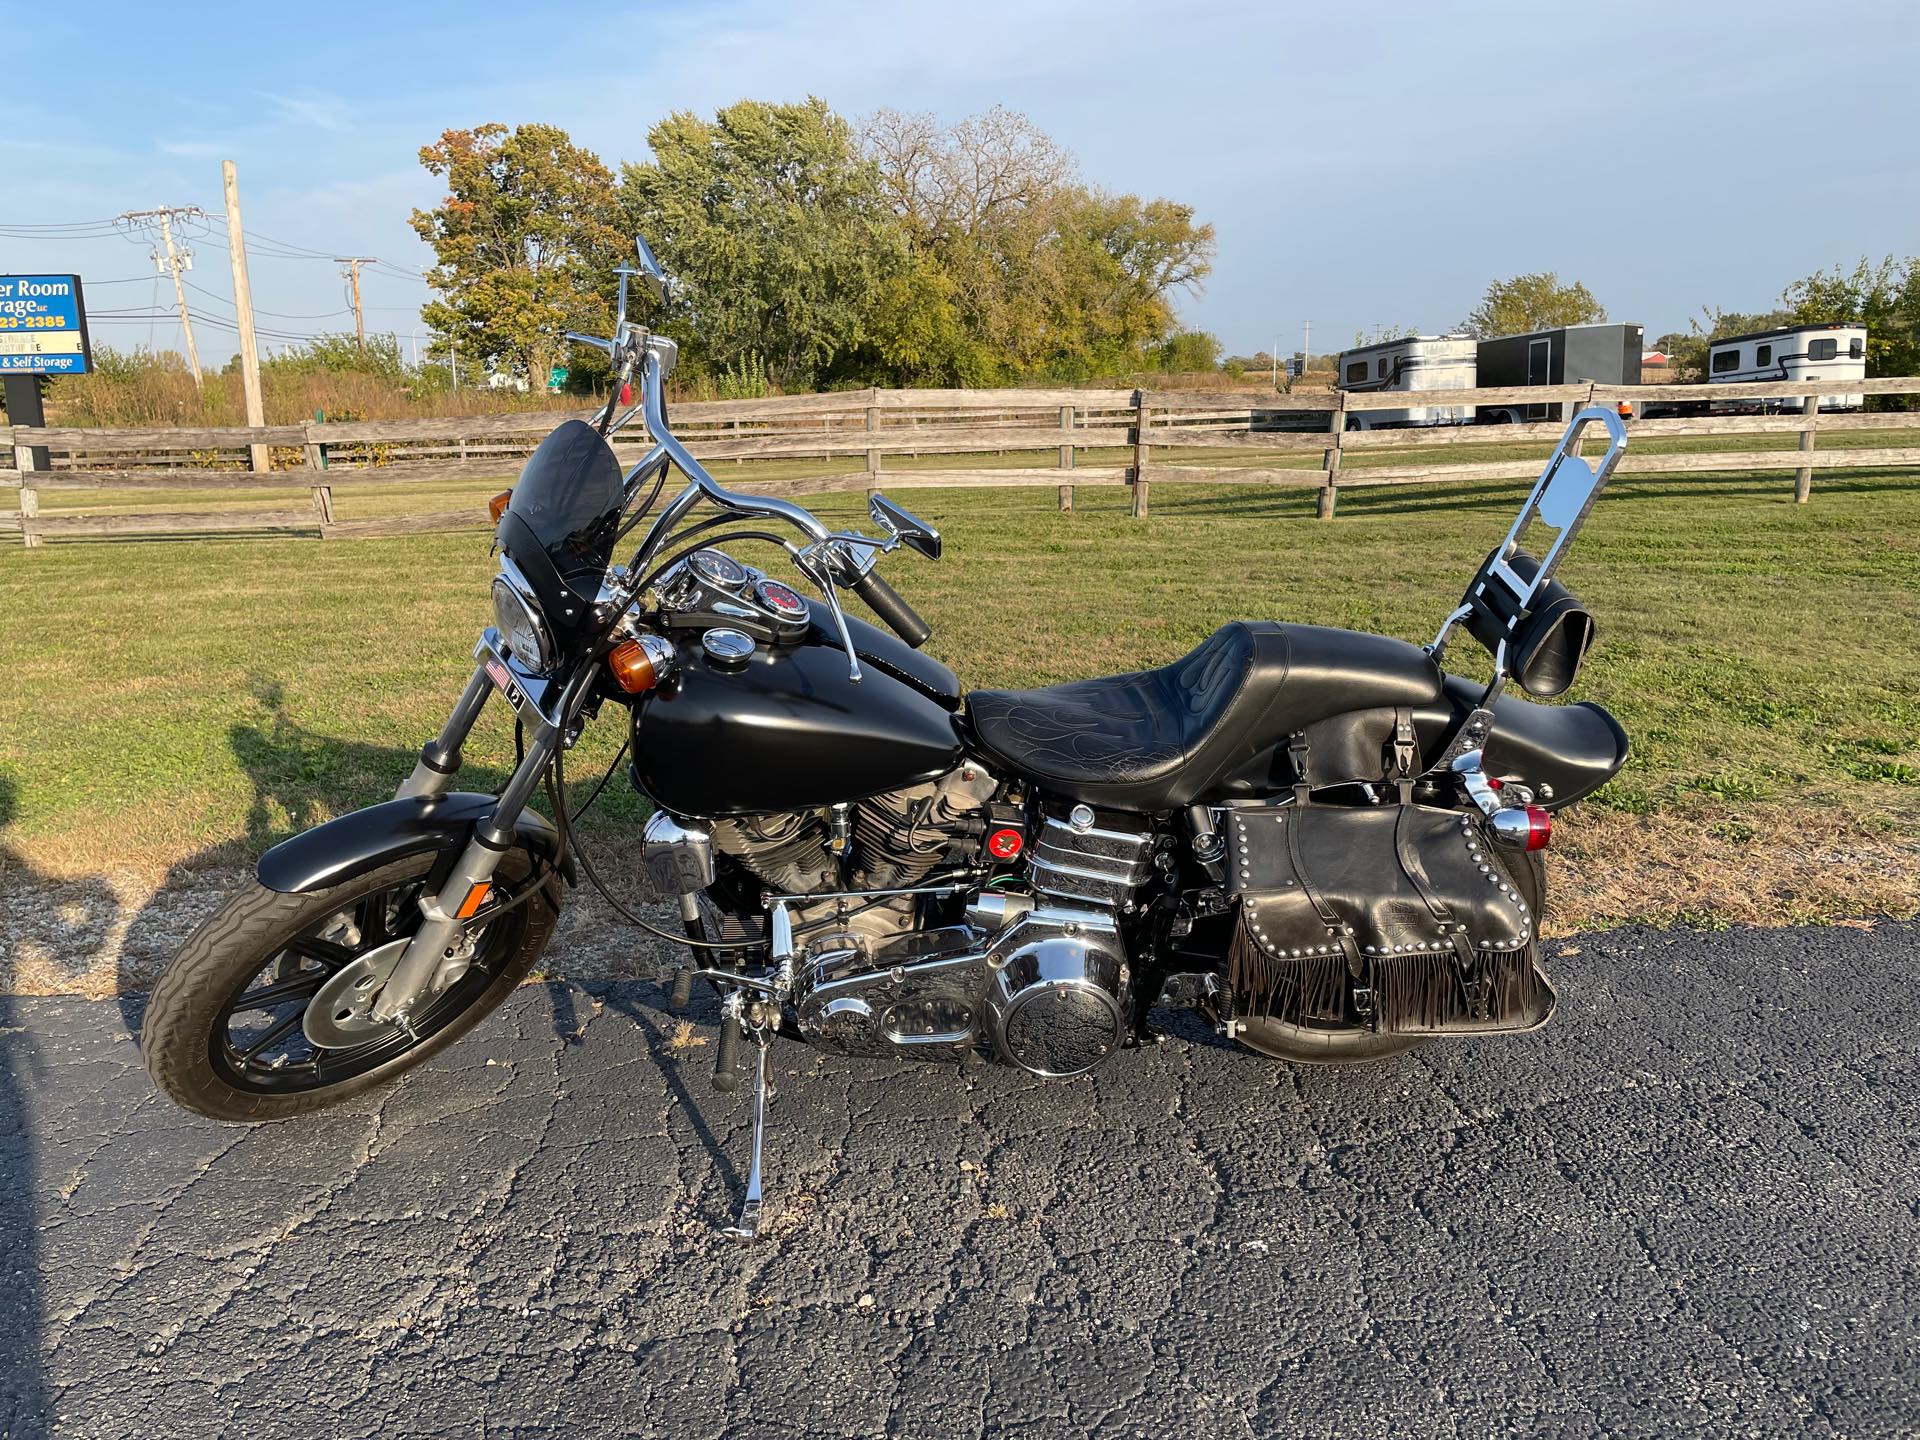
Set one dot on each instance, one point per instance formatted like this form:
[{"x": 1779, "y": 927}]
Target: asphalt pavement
[{"x": 1691, "y": 1206}]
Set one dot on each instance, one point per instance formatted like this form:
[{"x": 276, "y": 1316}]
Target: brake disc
[{"x": 337, "y": 1017}]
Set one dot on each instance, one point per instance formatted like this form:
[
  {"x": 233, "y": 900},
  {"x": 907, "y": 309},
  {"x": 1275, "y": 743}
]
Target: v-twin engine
[{"x": 1042, "y": 978}]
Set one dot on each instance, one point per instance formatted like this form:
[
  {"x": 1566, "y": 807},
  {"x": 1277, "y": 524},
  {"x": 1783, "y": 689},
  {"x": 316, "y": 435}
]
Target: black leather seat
[{"x": 1160, "y": 738}]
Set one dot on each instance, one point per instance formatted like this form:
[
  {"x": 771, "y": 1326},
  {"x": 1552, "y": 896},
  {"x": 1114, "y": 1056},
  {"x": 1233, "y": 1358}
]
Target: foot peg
[
  {"x": 682, "y": 994},
  {"x": 726, "y": 1055}
]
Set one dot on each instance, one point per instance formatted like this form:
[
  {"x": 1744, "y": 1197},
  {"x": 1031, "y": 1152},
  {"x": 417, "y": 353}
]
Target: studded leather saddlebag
[{"x": 1402, "y": 919}]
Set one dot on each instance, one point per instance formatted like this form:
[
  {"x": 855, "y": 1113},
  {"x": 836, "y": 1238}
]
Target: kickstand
[{"x": 747, "y": 1227}]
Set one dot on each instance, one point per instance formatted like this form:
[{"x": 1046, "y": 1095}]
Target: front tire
[{"x": 227, "y": 1035}]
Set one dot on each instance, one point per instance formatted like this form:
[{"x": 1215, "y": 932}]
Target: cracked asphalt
[{"x": 1690, "y": 1206}]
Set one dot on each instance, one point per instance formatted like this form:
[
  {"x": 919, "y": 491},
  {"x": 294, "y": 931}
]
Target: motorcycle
[{"x": 1321, "y": 841}]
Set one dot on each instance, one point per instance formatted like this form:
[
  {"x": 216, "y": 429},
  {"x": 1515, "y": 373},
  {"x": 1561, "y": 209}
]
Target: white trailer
[
  {"x": 1792, "y": 352},
  {"x": 1413, "y": 363}
]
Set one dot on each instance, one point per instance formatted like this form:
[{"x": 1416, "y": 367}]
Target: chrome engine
[
  {"x": 885, "y": 842},
  {"x": 1042, "y": 978}
]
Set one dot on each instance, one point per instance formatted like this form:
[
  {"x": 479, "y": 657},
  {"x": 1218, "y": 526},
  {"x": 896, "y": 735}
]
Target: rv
[
  {"x": 1793, "y": 352},
  {"x": 1414, "y": 363},
  {"x": 1574, "y": 354}
]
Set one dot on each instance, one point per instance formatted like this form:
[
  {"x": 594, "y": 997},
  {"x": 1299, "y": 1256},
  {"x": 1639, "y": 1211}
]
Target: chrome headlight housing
[{"x": 523, "y": 629}]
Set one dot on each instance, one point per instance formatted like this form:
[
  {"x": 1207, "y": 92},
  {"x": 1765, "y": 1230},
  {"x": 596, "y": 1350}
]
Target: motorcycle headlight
[{"x": 522, "y": 628}]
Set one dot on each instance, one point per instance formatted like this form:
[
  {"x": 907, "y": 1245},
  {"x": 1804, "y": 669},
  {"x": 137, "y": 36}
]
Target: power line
[
  {"x": 276, "y": 314},
  {"x": 163, "y": 218}
]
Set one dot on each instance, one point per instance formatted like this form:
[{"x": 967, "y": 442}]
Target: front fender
[{"x": 354, "y": 844}]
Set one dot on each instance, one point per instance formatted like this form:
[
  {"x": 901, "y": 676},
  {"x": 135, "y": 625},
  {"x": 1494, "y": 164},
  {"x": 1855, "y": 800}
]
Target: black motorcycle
[{"x": 1318, "y": 839}]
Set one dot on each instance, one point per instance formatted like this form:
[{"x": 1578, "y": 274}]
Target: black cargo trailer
[{"x": 1572, "y": 355}]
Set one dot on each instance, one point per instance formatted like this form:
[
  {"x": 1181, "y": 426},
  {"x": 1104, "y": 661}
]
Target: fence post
[
  {"x": 1066, "y": 455},
  {"x": 29, "y": 496},
  {"x": 1803, "y": 477},
  {"x": 1140, "y": 454},
  {"x": 316, "y": 463},
  {"x": 29, "y": 502},
  {"x": 1337, "y": 427},
  {"x": 873, "y": 455}
]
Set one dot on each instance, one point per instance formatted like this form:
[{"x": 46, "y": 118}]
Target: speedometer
[{"x": 716, "y": 567}]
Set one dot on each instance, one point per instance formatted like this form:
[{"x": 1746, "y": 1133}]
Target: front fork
[{"x": 435, "y": 955}]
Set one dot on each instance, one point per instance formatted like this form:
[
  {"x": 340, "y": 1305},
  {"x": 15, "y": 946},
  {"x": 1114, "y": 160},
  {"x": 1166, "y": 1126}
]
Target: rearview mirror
[
  {"x": 651, "y": 269},
  {"x": 909, "y": 529}
]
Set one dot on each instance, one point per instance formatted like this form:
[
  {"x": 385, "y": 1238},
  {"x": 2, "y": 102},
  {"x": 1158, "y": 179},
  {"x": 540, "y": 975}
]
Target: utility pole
[
  {"x": 172, "y": 261},
  {"x": 1306, "y": 345},
  {"x": 262, "y": 458},
  {"x": 352, "y": 273}
]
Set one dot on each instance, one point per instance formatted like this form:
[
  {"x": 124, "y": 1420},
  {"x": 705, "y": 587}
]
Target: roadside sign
[
  {"x": 556, "y": 378},
  {"x": 43, "y": 326}
]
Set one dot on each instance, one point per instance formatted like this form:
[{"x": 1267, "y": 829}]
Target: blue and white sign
[{"x": 43, "y": 326}]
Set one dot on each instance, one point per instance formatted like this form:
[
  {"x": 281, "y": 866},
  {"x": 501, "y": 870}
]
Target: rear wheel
[{"x": 264, "y": 1013}]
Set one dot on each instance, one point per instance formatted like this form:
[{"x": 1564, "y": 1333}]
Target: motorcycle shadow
[
  {"x": 23, "y": 1384},
  {"x": 299, "y": 777}
]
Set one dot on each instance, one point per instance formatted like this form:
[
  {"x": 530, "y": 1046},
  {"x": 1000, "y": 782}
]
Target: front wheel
[{"x": 264, "y": 1012}]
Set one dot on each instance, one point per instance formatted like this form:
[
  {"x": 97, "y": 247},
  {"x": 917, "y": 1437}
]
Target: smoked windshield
[{"x": 567, "y": 506}]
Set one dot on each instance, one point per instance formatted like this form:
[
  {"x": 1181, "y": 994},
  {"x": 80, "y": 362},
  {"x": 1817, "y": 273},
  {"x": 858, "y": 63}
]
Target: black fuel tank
[{"x": 786, "y": 730}]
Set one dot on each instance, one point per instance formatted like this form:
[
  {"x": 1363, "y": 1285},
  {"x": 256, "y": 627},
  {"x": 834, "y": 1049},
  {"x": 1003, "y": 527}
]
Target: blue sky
[{"x": 1364, "y": 166}]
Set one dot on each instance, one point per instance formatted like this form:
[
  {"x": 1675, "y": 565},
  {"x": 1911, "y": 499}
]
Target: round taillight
[{"x": 1539, "y": 827}]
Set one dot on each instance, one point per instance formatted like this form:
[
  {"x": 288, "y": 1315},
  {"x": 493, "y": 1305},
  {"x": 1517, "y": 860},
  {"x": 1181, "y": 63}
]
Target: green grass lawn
[{"x": 169, "y": 700}]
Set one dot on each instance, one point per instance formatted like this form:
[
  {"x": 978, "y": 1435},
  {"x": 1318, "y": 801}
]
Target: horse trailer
[
  {"x": 1412, "y": 363},
  {"x": 1792, "y": 352},
  {"x": 1572, "y": 355}
]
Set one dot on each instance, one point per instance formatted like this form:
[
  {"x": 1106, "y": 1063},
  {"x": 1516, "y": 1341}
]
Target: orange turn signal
[
  {"x": 497, "y": 506},
  {"x": 633, "y": 668}
]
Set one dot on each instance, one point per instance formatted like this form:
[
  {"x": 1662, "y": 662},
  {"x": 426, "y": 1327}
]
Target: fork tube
[
  {"x": 440, "y": 757},
  {"x": 440, "y": 923}
]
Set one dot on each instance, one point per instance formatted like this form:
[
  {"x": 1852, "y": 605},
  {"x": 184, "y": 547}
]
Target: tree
[
  {"x": 965, "y": 179},
  {"x": 1019, "y": 270},
  {"x": 777, "y": 229},
  {"x": 524, "y": 237},
  {"x": 1884, "y": 296},
  {"x": 1187, "y": 351},
  {"x": 1532, "y": 302}
]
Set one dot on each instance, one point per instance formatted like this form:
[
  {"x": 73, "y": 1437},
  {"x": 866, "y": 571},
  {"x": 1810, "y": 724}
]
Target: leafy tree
[
  {"x": 1017, "y": 269},
  {"x": 775, "y": 225},
  {"x": 1532, "y": 302},
  {"x": 524, "y": 239},
  {"x": 1883, "y": 295},
  {"x": 1186, "y": 351}
]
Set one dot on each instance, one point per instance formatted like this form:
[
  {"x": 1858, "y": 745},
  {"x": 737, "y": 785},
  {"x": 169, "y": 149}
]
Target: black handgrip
[
  {"x": 726, "y": 1069},
  {"x": 885, "y": 602}
]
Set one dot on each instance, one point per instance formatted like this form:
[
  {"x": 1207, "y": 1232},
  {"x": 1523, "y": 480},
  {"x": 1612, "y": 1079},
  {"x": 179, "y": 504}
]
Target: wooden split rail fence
[{"x": 1056, "y": 438}]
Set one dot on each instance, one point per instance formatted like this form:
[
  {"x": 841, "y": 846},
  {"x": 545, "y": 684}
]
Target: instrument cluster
[{"x": 712, "y": 588}]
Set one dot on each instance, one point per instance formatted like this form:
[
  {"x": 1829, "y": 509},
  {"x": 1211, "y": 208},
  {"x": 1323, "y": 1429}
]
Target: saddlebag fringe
[{"x": 1398, "y": 919}]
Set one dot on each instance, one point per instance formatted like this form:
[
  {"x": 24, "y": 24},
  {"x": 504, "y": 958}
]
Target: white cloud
[{"x": 313, "y": 108}]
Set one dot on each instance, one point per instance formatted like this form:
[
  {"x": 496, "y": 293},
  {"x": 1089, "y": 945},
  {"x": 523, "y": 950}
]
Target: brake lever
[{"x": 810, "y": 562}]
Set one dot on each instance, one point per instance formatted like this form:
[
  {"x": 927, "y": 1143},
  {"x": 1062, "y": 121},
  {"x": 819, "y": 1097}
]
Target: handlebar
[
  {"x": 826, "y": 559},
  {"x": 890, "y": 606}
]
